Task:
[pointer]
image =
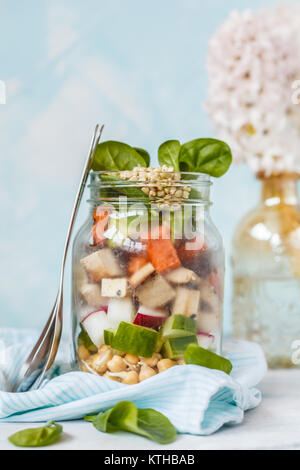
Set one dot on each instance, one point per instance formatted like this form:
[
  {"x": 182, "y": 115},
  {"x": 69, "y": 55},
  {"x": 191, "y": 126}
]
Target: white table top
[{"x": 275, "y": 424}]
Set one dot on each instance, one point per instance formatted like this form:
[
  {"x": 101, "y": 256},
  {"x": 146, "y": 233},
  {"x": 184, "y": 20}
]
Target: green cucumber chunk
[
  {"x": 135, "y": 339},
  {"x": 203, "y": 357},
  {"x": 174, "y": 348},
  {"x": 109, "y": 336},
  {"x": 85, "y": 340},
  {"x": 159, "y": 342},
  {"x": 177, "y": 326}
]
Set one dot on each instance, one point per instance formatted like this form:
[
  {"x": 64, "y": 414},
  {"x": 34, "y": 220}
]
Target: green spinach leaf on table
[
  {"x": 37, "y": 437},
  {"x": 145, "y": 422}
]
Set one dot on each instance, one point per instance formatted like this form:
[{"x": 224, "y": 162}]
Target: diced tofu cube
[
  {"x": 114, "y": 287},
  {"x": 101, "y": 264},
  {"x": 210, "y": 301},
  {"x": 141, "y": 275},
  {"x": 207, "y": 322},
  {"x": 80, "y": 276},
  {"x": 155, "y": 292},
  {"x": 92, "y": 295},
  {"x": 181, "y": 276},
  {"x": 186, "y": 302}
]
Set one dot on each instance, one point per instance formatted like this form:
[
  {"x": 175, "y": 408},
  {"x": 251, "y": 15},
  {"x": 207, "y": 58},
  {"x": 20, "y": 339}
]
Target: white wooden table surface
[{"x": 275, "y": 424}]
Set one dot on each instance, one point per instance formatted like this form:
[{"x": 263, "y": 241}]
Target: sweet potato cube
[
  {"x": 155, "y": 292},
  {"x": 101, "y": 264},
  {"x": 136, "y": 263},
  {"x": 186, "y": 302},
  {"x": 163, "y": 255}
]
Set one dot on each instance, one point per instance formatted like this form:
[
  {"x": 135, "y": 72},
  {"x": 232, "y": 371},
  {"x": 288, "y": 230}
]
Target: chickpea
[
  {"x": 165, "y": 364},
  {"x": 151, "y": 361},
  {"x": 83, "y": 353},
  {"x": 116, "y": 364},
  {"x": 132, "y": 359},
  {"x": 131, "y": 378},
  {"x": 111, "y": 377},
  {"x": 146, "y": 372},
  {"x": 99, "y": 361}
]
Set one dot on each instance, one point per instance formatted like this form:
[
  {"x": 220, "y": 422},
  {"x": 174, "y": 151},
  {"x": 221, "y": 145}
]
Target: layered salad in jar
[{"x": 148, "y": 266}]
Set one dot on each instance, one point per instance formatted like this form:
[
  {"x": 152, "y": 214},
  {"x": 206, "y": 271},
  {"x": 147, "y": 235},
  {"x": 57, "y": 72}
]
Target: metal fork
[{"x": 42, "y": 356}]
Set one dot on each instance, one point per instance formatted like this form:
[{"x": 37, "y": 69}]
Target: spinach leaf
[
  {"x": 37, "y": 437},
  {"x": 126, "y": 417},
  {"x": 85, "y": 340},
  {"x": 116, "y": 156},
  {"x": 168, "y": 154},
  {"x": 205, "y": 155},
  {"x": 156, "y": 425},
  {"x": 144, "y": 154}
]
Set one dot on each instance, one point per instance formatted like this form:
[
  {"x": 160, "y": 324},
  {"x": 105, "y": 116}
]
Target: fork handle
[{"x": 84, "y": 176}]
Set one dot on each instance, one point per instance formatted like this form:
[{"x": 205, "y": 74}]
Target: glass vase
[{"x": 266, "y": 272}]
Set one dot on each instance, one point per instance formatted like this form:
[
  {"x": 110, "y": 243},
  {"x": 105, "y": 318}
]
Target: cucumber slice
[
  {"x": 159, "y": 342},
  {"x": 135, "y": 339},
  {"x": 177, "y": 326},
  {"x": 174, "y": 348},
  {"x": 202, "y": 357},
  {"x": 109, "y": 336},
  {"x": 85, "y": 340}
]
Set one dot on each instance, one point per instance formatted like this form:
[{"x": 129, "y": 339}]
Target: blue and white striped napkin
[{"x": 195, "y": 399}]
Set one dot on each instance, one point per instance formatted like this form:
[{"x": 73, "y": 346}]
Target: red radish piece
[
  {"x": 94, "y": 324},
  {"x": 150, "y": 318},
  {"x": 120, "y": 310},
  {"x": 207, "y": 322},
  {"x": 205, "y": 340},
  {"x": 104, "y": 308}
]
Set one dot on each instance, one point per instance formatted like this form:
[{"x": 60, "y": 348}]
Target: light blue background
[{"x": 137, "y": 66}]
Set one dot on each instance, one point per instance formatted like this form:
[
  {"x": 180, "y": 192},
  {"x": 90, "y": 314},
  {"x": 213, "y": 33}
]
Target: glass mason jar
[
  {"x": 266, "y": 272},
  {"x": 148, "y": 269}
]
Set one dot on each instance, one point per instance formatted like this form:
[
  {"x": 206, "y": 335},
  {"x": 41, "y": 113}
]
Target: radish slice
[
  {"x": 205, "y": 340},
  {"x": 94, "y": 324},
  {"x": 120, "y": 310},
  {"x": 150, "y": 318},
  {"x": 207, "y": 322}
]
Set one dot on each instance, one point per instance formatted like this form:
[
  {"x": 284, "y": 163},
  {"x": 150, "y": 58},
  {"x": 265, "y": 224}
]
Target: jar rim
[
  {"x": 188, "y": 178},
  {"x": 195, "y": 184}
]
